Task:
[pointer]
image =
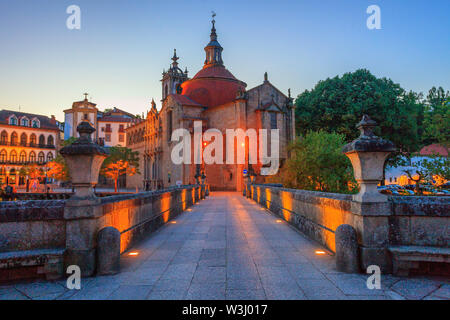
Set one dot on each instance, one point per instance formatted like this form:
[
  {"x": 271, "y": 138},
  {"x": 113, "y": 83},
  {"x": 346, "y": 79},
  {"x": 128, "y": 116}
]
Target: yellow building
[{"x": 26, "y": 139}]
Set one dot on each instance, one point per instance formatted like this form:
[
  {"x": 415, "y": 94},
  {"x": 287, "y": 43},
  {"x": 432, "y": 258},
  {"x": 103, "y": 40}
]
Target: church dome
[{"x": 214, "y": 85}]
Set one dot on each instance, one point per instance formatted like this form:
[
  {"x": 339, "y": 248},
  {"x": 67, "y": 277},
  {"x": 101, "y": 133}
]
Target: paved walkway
[{"x": 228, "y": 247}]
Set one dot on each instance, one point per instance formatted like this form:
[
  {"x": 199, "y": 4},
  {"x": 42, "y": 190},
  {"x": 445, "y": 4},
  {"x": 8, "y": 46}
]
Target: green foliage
[
  {"x": 436, "y": 128},
  {"x": 123, "y": 154},
  {"x": 68, "y": 142},
  {"x": 338, "y": 104},
  {"x": 316, "y": 162}
]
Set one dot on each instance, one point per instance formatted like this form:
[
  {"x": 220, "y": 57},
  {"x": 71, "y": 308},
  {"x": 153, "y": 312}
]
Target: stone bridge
[{"x": 229, "y": 247}]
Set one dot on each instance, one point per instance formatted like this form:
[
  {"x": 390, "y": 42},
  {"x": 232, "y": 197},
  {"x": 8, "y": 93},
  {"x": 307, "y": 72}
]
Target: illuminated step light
[
  {"x": 320, "y": 252},
  {"x": 173, "y": 222},
  {"x": 134, "y": 253},
  {"x": 279, "y": 221}
]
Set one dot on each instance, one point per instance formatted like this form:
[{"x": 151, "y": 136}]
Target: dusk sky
[{"x": 123, "y": 46}]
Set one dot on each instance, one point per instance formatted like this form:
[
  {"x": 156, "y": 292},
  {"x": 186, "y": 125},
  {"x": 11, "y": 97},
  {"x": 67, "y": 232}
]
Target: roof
[
  {"x": 434, "y": 149},
  {"x": 185, "y": 100},
  {"x": 115, "y": 119},
  {"x": 213, "y": 86},
  {"x": 45, "y": 122}
]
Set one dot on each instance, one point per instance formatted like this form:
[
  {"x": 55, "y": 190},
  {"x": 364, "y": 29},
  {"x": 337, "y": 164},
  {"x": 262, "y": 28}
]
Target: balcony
[
  {"x": 21, "y": 163},
  {"x": 27, "y": 145}
]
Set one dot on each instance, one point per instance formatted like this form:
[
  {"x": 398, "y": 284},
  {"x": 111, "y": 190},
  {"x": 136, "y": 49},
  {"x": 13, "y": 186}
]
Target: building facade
[
  {"x": 217, "y": 99},
  {"x": 110, "y": 125},
  {"x": 26, "y": 139}
]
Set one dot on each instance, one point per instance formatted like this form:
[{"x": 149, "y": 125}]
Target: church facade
[{"x": 217, "y": 99}]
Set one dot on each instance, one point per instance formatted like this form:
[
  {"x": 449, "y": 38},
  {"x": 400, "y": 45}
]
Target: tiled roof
[
  {"x": 185, "y": 100},
  {"x": 45, "y": 122},
  {"x": 434, "y": 149},
  {"x": 115, "y": 119}
]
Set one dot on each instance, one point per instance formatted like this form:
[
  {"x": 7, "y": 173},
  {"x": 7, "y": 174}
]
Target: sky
[{"x": 123, "y": 46}]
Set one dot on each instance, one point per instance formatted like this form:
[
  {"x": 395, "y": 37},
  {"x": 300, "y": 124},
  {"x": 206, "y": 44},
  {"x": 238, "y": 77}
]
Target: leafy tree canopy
[
  {"x": 338, "y": 104},
  {"x": 317, "y": 163}
]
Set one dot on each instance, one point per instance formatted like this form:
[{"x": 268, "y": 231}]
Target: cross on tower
[{"x": 85, "y": 96}]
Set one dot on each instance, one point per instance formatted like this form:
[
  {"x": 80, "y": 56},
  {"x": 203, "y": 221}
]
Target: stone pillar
[
  {"x": 347, "y": 255},
  {"x": 371, "y": 209},
  {"x": 108, "y": 251},
  {"x": 83, "y": 210},
  {"x": 368, "y": 154}
]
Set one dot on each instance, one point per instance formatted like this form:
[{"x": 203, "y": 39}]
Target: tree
[
  {"x": 434, "y": 170},
  {"x": 57, "y": 169},
  {"x": 338, "y": 104},
  {"x": 316, "y": 162},
  {"x": 121, "y": 161},
  {"x": 436, "y": 128}
]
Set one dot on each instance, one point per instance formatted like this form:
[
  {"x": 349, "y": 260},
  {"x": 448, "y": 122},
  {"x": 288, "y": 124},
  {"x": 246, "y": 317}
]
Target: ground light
[
  {"x": 173, "y": 222},
  {"x": 133, "y": 253},
  {"x": 279, "y": 221},
  {"x": 320, "y": 252}
]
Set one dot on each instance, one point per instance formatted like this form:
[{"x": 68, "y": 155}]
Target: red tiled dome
[{"x": 213, "y": 86}]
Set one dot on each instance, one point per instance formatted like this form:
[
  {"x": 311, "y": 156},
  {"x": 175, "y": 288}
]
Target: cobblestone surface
[{"x": 228, "y": 247}]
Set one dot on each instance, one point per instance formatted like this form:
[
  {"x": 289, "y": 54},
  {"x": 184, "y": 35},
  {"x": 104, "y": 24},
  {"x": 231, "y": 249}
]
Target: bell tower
[{"x": 173, "y": 78}]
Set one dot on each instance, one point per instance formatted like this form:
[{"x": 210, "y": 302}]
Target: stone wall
[
  {"x": 401, "y": 221},
  {"x": 32, "y": 231}
]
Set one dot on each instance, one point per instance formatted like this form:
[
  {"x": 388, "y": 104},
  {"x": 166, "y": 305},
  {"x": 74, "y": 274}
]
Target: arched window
[
  {"x": 35, "y": 123},
  {"x": 2, "y": 171},
  {"x": 32, "y": 140},
  {"x": 50, "y": 141},
  {"x": 24, "y": 122},
  {"x": 4, "y": 138},
  {"x": 3, "y": 156},
  {"x": 41, "y": 140},
  {"x": 49, "y": 157},
  {"x": 13, "y": 120},
  {"x": 23, "y": 157},
  {"x": 14, "y": 139},
  {"x": 13, "y": 156},
  {"x": 41, "y": 157},
  {"x": 32, "y": 157},
  {"x": 166, "y": 91},
  {"x": 23, "y": 139}
]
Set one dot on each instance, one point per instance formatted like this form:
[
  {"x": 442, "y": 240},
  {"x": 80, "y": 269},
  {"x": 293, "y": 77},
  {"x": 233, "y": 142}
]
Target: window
[
  {"x": 103, "y": 129},
  {"x": 32, "y": 157},
  {"x": 25, "y": 122},
  {"x": 35, "y": 123},
  {"x": 41, "y": 140},
  {"x": 13, "y": 156},
  {"x": 41, "y": 157},
  {"x": 121, "y": 137},
  {"x": 3, "y": 156},
  {"x": 23, "y": 157},
  {"x": 14, "y": 139},
  {"x": 49, "y": 157},
  {"x": 4, "y": 138},
  {"x": 50, "y": 141},
  {"x": 23, "y": 139},
  {"x": 108, "y": 137},
  {"x": 108, "y": 127},
  {"x": 169, "y": 125},
  {"x": 273, "y": 120},
  {"x": 13, "y": 120},
  {"x": 86, "y": 116},
  {"x": 120, "y": 127},
  {"x": 32, "y": 139}
]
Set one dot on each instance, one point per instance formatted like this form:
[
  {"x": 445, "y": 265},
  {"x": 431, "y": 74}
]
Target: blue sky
[{"x": 123, "y": 46}]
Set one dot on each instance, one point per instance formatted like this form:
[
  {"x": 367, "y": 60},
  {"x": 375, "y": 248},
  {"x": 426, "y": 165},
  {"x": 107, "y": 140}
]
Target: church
[{"x": 216, "y": 98}]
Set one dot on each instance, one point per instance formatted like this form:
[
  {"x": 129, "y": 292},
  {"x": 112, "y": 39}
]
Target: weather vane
[{"x": 213, "y": 16}]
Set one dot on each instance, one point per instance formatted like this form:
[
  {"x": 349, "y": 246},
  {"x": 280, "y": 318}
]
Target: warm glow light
[
  {"x": 173, "y": 222},
  {"x": 134, "y": 253},
  {"x": 320, "y": 252},
  {"x": 189, "y": 210},
  {"x": 243, "y": 144},
  {"x": 279, "y": 221}
]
